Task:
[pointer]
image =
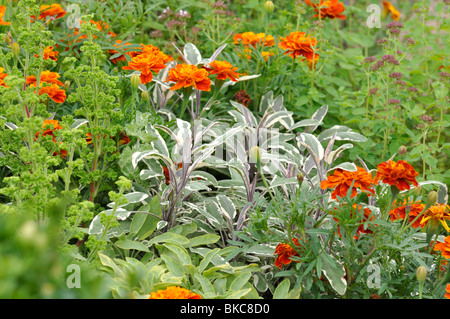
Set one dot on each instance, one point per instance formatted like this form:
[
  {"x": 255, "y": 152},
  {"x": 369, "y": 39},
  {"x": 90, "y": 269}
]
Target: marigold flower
[
  {"x": 49, "y": 54},
  {"x": 54, "y": 125},
  {"x": 439, "y": 213},
  {"x": 299, "y": 44},
  {"x": 447, "y": 290},
  {"x": 342, "y": 180},
  {"x": 174, "y": 292},
  {"x": 55, "y": 11},
  {"x": 2, "y": 77},
  {"x": 254, "y": 39},
  {"x": 285, "y": 252},
  {"x": 444, "y": 247},
  {"x": 46, "y": 77},
  {"x": 242, "y": 97},
  {"x": 2, "y": 14},
  {"x": 400, "y": 174},
  {"x": 146, "y": 63},
  {"x": 414, "y": 210},
  {"x": 224, "y": 70},
  {"x": 152, "y": 50},
  {"x": 328, "y": 9},
  {"x": 54, "y": 92},
  {"x": 188, "y": 75},
  {"x": 389, "y": 8}
]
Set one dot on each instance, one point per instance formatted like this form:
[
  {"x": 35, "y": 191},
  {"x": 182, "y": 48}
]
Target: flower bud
[
  {"x": 268, "y": 6},
  {"x": 402, "y": 150},
  {"x": 15, "y": 48},
  {"x": 255, "y": 154},
  {"x": 66, "y": 85},
  {"x": 417, "y": 190},
  {"x": 145, "y": 95},
  {"x": 432, "y": 197},
  {"x": 300, "y": 178},
  {"x": 421, "y": 274},
  {"x": 135, "y": 81}
]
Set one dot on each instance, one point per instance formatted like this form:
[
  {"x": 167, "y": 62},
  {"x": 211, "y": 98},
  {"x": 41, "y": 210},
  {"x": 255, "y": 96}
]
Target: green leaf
[
  {"x": 207, "y": 287},
  {"x": 334, "y": 272},
  {"x": 282, "y": 290},
  {"x": 207, "y": 259},
  {"x": 173, "y": 266},
  {"x": 202, "y": 240},
  {"x": 143, "y": 225},
  {"x": 130, "y": 244},
  {"x": 240, "y": 281},
  {"x": 169, "y": 238}
]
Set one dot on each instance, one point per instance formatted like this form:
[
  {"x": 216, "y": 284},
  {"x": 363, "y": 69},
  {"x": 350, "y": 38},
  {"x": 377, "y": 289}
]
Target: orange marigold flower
[
  {"x": 439, "y": 213},
  {"x": 389, "y": 8},
  {"x": 444, "y": 247},
  {"x": 55, "y": 11},
  {"x": 124, "y": 139},
  {"x": 414, "y": 210},
  {"x": 299, "y": 44},
  {"x": 46, "y": 77},
  {"x": 49, "y": 54},
  {"x": 2, "y": 77},
  {"x": 342, "y": 180},
  {"x": 224, "y": 70},
  {"x": 188, "y": 75},
  {"x": 152, "y": 50},
  {"x": 54, "y": 125},
  {"x": 252, "y": 39},
  {"x": 146, "y": 63},
  {"x": 400, "y": 174},
  {"x": 54, "y": 92},
  {"x": 328, "y": 9},
  {"x": 2, "y": 14},
  {"x": 174, "y": 292},
  {"x": 447, "y": 290},
  {"x": 285, "y": 252}
]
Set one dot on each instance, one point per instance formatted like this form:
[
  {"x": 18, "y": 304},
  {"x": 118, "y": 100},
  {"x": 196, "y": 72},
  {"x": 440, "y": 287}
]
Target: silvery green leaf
[
  {"x": 319, "y": 115},
  {"x": 242, "y": 78},
  {"x": 78, "y": 122},
  {"x": 312, "y": 144},
  {"x": 192, "y": 54},
  {"x": 161, "y": 224},
  {"x": 131, "y": 198},
  {"x": 347, "y": 166},
  {"x": 335, "y": 154},
  {"x": 335, "y": 272},
  {"x": 307, "y": 122}
]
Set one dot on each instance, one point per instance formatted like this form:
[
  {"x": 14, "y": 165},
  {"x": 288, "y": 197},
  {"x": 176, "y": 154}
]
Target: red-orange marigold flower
[
  {"x": 342, "y": 180},
  {"x": 438, "y": 213},
  {"x": 415, "y": 210},
  {"x": 2, "y": 14},
  {"x": 49, "y": 54},
  {"x": 400, "y": 174},
  {"x": 447, "y": 290},
  {"x": 389, "y": 8},
  {"x": 146, "y": 63},
  {"x": 328, "y": 9},
  {"x": 285, "y": 252},
  {"x": 299, "y": 44},
  {"x": 54, "y": 92},
  {"x": 188, "y": 75},
  {"x": 152, "y": 50},
  {"x": 224, "y": 70},
  {"x": 174, "y": 292},
  {"x": 2, "y": 77},
  {"x": 55, "y": 11},
  {"x": 46, "y": 77},
  {"x": 444, "y": 247},
  {"x": 254, "y": 39}
]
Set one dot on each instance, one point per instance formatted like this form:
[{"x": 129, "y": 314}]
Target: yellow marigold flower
[
  {"x": 188, "y": 75},
  {"x": 174, "y": 292},
  {"x": 2, "y": 14},
  {"x": 389, "y": 8},
  {"x": 224, "y": 70},
  {"x": 439, "y": 213}
]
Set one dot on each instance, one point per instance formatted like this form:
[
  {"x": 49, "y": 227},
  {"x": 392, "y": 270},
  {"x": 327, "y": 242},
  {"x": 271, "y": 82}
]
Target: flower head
[
  {"x": 2, "y": 14},
  {"x": 444, "y": 247},
  {"x": 224, "y": 70},
  {"x": 49, "y": 54},
  {"x": 389, "y": 8},
  {"x": 438, "y": 213},
  {"x": 328, "y": 9},
  {"x": 242, "y": 97},
  {"x": 299, "y": 44},
  {"x": 54, "y": 92},
  {"x": 49, "y": 127},
  {"x": 188, "y": 75},
  {"x": 174, "y": 292},
  {"x": 447, "y": 290},
  {"x": 46, "y": 77},
  {"x": 400, "y": 174},
  {"x": 285, "y": 252},
  {"x": 54, "y": 11},
  {"x": 254, "y": 39},
  {"x": 412, "y": 209},
  {"x": 342, "y": 180},
  {"x": 2, "y": 77},
  {"x": 146, "y": 63}
]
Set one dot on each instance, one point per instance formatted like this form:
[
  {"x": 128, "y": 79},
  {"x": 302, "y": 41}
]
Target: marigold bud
[
  {"x": 417, "y": 190},
  {"x": 402, "y": 150},
  {"x": 66, "y": 85},
  {"x": 421, "y": 273},
  {"x": 432, "y": 197},
  {"x": 255, "y": 154},
  {"x": 15, "y": 48},
  {"x": 269, "y": 7},
  {"x": 135, "y": 81},
  {"x": 145, "y": 96},
  {"x": 300, "y": 178}
]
